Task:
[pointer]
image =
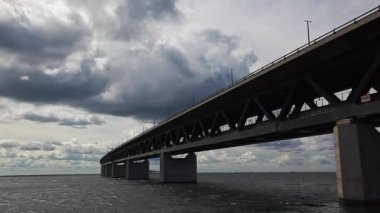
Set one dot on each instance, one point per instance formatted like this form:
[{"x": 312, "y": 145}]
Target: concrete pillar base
[
  {"x": 138, "y": 170},
  {"x": 357, "y": 153},
  {"x": 101, "y": 170},
  {"x": 178, "y": 170},
  {"x": 108, "y": 170},
  {"x": 118, "y": 171}
]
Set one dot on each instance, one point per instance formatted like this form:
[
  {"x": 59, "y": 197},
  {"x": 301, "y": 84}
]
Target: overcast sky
[{"x": 80, "y": 77}]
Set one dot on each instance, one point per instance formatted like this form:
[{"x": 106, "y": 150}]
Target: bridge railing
[{"x": 271, "y": 64}]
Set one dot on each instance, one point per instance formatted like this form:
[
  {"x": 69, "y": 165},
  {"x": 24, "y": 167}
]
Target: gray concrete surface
[
  {"x": 138, "y": 170},
  {"x": 178, "y": 170},
  {"x": 119, "y": 170},
  {"x": 357, "y": 152}
]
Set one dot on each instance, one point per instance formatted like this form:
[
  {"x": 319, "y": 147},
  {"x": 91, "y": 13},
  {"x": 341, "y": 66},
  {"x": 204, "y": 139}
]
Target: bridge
[{"x": 330, "y": 85}]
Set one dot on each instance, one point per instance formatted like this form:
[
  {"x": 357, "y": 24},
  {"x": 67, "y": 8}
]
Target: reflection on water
[{"x": 238, "y": 192}]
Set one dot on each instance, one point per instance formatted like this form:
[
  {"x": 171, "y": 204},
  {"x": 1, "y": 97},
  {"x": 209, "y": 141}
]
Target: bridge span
[{"x": 331, "y": 85}]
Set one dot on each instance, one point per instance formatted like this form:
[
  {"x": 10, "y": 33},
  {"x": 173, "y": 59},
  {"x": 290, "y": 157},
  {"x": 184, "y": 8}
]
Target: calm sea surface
[{"x": 238, "y": 192}]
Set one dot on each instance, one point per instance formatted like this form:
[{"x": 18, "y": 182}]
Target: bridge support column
[
  {"x": 178, "y": 170},
  {"x": 137, "y": 170},
  {"x": 357, "y": 153},
  {"x": 118, "y": 171},
  {"x": 102, "y": 170},
  {"x": 108, "y": 170}
]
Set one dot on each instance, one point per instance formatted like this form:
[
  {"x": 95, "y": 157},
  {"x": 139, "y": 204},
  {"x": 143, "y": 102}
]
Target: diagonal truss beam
[
  {"x": 267, "y": 113},
  {"x": 214, "y": 123},
  {"x": 364, "y": 82},
  {"x": 243, "y": 115},
  {"x": 288, "y": 101},
  {"x": 331, "y": 98},
  {"x": 227, "y": 120}
]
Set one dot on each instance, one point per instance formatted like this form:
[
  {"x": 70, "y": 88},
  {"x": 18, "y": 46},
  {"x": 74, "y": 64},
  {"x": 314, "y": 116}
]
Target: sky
[{"x": 80, "y": 77}]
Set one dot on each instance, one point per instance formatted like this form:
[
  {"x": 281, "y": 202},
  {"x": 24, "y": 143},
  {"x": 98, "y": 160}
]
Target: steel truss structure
[{"x": 304, "y": 94}]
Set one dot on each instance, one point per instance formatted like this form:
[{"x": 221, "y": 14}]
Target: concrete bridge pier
[
  {"x": 137, "y": 170},
  {"x": 119, "y": 170},
  {"x": 357, "y": 153},
  {"x": 178, "y": 170},
  {"x": 103, "y": 170},
  {"x": 108, "y": 170}
]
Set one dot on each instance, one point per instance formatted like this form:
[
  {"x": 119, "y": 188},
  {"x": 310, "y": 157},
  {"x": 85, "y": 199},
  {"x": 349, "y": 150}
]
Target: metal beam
[
  {"x": 243, "y": 114},
  {"x": 288, "y": 102},
  {"x": 267, "y": 113},
  {"x": 331, "y": 98},
  {"x": 364, "y": 82}
]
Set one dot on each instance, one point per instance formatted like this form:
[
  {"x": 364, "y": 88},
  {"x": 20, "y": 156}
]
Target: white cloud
[{"x": 282, "y": 159}]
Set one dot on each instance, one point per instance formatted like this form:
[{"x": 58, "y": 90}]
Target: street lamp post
[
  {"x": 232, "y": 75},
  {"x": 308, "y": 31}
]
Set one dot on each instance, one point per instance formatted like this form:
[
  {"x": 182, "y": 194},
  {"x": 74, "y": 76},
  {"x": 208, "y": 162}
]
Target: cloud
[
  {"x": 39, "y": 151},
  {"x": 156, "y": 9},
  {"x": 68, "y": 121},
  {"x": 147, "y": 77},
  {"x": 163, "y": 80},
  {"x": 45, "y": 88},
  {"x": 135, "y": 18},
  {"x": 212, "y": 157},
  {"x": 8, "y": 143},
  {"x": 35, "y": 42},
  {"x": 295, "y": 145},
  {"x": 30, "y": 147},
  {"x": 52, "y": 114},
  {"x": 321, "y": 143},
  {"x": 288, "y": 160},
  {"x": 48, "y": 147},
  {"x": 322, "y": 160}
]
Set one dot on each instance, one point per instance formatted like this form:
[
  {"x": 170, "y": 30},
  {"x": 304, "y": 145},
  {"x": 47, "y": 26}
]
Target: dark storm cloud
[
  {"x": 156, "y": 9},
  {"x": 41, "y": 87},
  {"x": 75, "y": 122},
  {"x": 216, "y": 37},
  {"x": 165, "y": 80},
  {"x": 34, "y": 44},
  {"x": 151, "y": 82},
  {"x": 38, "y": 46},
  {"x": 135, "y": 16},
  {"x": 162, "y": 82}
]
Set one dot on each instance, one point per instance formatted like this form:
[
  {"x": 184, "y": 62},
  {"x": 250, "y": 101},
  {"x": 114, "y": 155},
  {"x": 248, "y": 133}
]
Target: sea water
[{"x": 214, "y": 192}]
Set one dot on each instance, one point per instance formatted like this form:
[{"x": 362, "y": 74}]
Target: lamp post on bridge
[
  {"x": 232, "y": 75},
  {"x": 308, "y": 31}
]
